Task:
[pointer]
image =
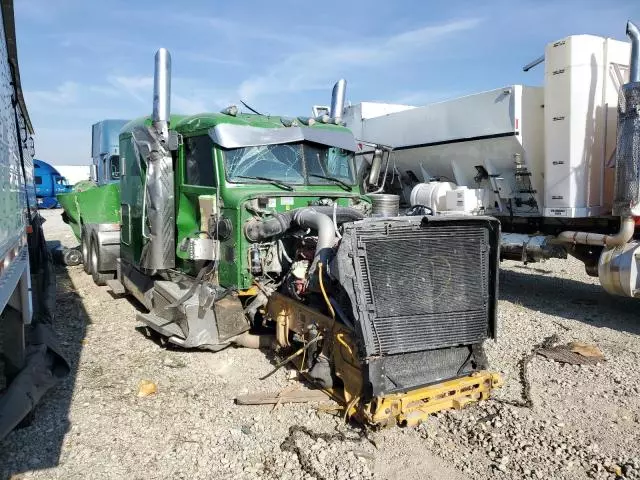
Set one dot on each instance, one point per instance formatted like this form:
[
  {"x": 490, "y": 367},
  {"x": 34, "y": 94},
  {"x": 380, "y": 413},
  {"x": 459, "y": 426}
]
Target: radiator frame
[{"x": 380, "y": 368}]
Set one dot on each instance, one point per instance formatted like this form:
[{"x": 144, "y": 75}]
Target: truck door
[{"x": 196, "y": 180}]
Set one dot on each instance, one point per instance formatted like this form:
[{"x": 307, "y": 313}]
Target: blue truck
[
  {"x": 105, "y": 166},
  {"x": 48, "y": 183}
]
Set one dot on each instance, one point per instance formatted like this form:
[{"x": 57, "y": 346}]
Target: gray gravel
[{"x": 583, "y": 423}]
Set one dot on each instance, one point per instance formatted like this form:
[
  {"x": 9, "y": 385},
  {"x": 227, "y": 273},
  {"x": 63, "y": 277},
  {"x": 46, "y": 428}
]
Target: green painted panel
[
  {"x": 95, "y": 205},
  {"x": 71, "y": 210},
  {"x": 131, "y": 185}
]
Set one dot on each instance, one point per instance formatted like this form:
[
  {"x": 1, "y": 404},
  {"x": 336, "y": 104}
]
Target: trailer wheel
[
  {"x": 86, "y": 252},
  {"x": 100, "y": 278}
]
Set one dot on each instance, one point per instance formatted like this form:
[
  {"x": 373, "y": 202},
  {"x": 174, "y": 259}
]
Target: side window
[
  {"x": 198, "y": 161},
  {"x": 114, "y": 167}
]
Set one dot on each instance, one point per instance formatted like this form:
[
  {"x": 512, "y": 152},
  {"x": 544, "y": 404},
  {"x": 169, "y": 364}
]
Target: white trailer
[
  {"x": 17, "y": 204},
  {"x": 544, "y": 160},
  {"x": 30, "y": 362}
]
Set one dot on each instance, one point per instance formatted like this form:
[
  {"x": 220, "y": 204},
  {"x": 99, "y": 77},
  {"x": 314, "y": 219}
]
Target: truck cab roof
[{"x": 191, "y": 124}]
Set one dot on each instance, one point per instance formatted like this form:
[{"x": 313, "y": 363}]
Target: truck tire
[
  {"x": 100, "y": 278},
  {"x": 71, "y": 257},
  {"x": 85, "y": 248}
]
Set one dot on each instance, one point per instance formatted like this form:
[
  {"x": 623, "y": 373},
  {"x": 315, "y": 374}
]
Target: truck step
[
  {"x": 161, "y": 325},
  {"x": 116, "y": 287}
]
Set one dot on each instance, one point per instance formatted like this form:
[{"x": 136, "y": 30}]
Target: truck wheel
[
  {"x": 71, "y": 257},
  {"x": 86, "y": 253},
  {"x": 99, "y": 278}
]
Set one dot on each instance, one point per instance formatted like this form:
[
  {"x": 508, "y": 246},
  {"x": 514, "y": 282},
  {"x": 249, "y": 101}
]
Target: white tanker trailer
[{"x": 559, "y": 165}]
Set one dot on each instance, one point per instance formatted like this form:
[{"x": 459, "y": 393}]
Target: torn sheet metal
[
  {"x": 158, "y": 251},
  {"x": 45, "y": 367}
]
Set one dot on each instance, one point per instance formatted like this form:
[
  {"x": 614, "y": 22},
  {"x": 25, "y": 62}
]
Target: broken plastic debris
[{"x": 146, "y": 388}]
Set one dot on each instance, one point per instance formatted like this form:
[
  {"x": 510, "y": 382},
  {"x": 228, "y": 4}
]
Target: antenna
[{"x": 252, "y": 109}]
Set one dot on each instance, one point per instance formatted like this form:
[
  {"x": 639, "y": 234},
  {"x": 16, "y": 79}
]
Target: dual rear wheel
[{"x": 91, "y": 258}]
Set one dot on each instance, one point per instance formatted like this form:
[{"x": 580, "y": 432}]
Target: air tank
[{"x": 432, "y": 195}]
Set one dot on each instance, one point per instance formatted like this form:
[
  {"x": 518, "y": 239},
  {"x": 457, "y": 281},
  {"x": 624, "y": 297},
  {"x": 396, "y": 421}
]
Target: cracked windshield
[{"x": 295, "y": 163}]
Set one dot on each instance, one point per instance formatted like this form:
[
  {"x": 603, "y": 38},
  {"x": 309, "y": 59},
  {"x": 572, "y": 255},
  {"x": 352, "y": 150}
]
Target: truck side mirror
[
  {"x": 376, "y": 163},
  {"x": 173, "y": 140}
]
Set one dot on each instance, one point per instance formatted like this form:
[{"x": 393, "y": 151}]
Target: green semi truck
[
  {"x": 252, "y": 230},
  {"x": 94, "y": 213}
]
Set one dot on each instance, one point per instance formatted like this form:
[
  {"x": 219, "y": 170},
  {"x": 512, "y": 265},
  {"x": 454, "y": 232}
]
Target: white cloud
[
  {"x": 190, "y": 96},
  {"x": 188, "y": 105},
  {"x": 66, "y": 94},
  {"x": 313, "y": 69},
  {"x": 138, "y": 86},
  {"x": 197, "y": 57},
  {"x": 233, "y": 29}
]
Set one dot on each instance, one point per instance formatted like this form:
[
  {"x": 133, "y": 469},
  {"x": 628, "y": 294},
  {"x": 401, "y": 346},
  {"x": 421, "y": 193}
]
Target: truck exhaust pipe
[
  {"x": 153, "y": 146},
  {"x": 162, "y": 92},
  {"x": 337, "y": 100},
  {"x": 634, "y": 67},
  {"x": 627, "y": 227}
]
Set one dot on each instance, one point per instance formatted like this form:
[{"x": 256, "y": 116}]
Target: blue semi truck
[
  {"x": 105, "y": 167},
  {"x": 48, "y": 183}
]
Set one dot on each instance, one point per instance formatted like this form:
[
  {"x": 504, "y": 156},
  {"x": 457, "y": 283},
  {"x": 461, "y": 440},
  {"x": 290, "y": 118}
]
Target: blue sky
[{"x": 82, "y": 61}]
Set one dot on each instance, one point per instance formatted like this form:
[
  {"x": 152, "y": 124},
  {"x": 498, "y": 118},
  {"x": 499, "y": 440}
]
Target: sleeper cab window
[{"x": 198, "y": 161}]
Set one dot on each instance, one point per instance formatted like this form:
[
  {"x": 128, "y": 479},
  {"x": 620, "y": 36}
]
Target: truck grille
[{"x": 429, "y": 287}]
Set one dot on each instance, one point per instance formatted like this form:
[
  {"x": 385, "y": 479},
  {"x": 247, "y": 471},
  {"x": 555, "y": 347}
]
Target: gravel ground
[{"x": 583, "y": 422}]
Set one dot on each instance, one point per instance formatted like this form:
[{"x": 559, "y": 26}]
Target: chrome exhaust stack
[
  {"x": 162, "y": 93},
  {"x": 153, "y": 145},
  {"x": 634, "y": 66},
  {"x": 337, "y": 100}
]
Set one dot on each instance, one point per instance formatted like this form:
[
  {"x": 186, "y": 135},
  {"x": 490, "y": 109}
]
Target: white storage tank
[
  {"x": 432, "y": 195},
  {"x": 467, "y": 200},
  {"x": 583, "y": 75}
]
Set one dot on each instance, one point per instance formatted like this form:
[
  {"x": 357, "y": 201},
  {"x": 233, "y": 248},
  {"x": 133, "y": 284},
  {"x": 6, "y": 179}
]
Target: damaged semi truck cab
[{"x": 252, "y": 230}]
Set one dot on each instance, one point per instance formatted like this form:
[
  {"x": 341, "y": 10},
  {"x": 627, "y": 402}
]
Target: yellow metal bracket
[
  {"x": 412, "y": 408},
  {"x": 405, "y": 408}
]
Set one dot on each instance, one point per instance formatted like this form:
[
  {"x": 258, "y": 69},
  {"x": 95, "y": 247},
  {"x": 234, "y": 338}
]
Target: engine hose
[
  {"x": 260, "y": 230},
  {"x": 340, "y": 338},
  {"x": 324, "y": 293},
  {"x": 316, "y": 218}
]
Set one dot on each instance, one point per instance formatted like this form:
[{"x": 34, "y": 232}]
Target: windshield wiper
[
  {"x": 272, "y": 181},
  {"x": 343, "y": 184}
]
